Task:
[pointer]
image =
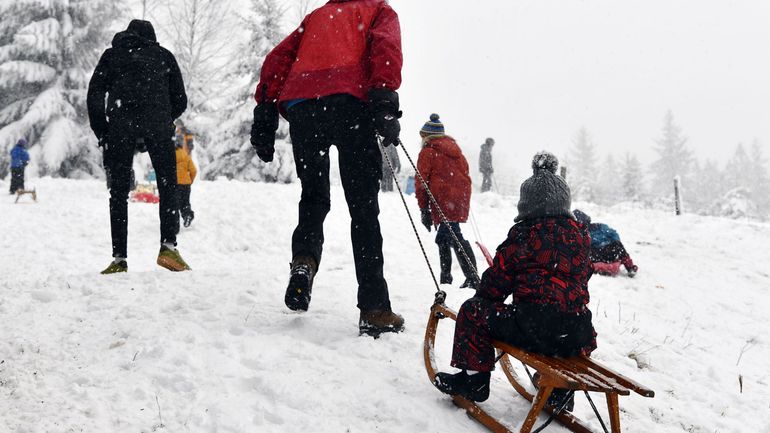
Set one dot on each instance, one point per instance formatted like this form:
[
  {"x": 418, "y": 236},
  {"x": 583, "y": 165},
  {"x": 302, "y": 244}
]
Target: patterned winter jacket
[{"x": 544, "y": 261}]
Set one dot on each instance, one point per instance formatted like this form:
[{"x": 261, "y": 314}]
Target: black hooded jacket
[{"x": 144, "y": 87}]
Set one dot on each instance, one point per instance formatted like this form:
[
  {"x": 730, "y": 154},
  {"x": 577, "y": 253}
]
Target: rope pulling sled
[{"x": 577, "y": 373}]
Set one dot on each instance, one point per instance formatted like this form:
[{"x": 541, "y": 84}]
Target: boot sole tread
[{"x": 295, "y": 300}]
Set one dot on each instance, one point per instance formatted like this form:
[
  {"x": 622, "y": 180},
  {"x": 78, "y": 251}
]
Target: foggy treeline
[{"x": 738, "y": 187}]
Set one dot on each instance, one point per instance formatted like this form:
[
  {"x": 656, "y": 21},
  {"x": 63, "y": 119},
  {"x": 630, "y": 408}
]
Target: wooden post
[
  {"x": 563, "y": 172},
  {"x": 677, "y": 195}
]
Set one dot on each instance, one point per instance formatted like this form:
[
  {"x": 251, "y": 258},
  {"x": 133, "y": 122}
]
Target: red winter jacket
[
  {"x": 345, "y": 46},
  {"x": 444, "y": 168}
]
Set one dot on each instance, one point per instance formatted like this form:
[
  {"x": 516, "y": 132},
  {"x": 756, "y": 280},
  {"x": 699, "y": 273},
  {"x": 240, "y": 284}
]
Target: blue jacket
[
  {"x": 19, "y": 156},
  {"x": 602, "y": 235}
]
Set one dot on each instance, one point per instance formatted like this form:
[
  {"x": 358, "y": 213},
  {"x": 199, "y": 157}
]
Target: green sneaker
[
  {"x": 116, "y": 267},
  {"x": 172, "y": 260}
]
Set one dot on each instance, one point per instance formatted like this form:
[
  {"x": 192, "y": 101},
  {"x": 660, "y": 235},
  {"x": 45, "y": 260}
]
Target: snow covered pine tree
[
  {"x": 47, "y": 50},
  {"x": 231, "y": 155}
]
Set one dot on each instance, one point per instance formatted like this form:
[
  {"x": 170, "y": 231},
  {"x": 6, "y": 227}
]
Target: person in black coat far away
[{"x": 145, "y": 93}]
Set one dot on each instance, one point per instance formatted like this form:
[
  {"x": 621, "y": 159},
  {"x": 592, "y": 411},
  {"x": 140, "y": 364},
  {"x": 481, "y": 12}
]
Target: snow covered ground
[{"x": 215, "y": 350}]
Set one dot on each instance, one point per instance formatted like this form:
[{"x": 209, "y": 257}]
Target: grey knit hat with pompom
[{"x": 544, "y": 194}]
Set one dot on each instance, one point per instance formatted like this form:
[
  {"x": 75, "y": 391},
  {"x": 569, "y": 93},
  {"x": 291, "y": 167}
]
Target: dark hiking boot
[
  {"x": 375, "y": 322},
  {"x": 170, "y": 259},
  {"x": 468, "y": 266},
  {"x": 116, "y": 267},
  {"x": 469, "y": 283},
  {"x": 632, "y": 270},
  {"x": 303, "y": 271},
  {"x": 561, "y": 397},
  {"x": 474, "y": 387}
]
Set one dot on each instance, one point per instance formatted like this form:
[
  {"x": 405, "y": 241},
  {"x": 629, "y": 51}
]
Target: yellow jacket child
[{"x": 185, "y": 167}]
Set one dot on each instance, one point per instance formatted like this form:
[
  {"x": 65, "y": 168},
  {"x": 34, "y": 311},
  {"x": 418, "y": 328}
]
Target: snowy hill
[{"x": 215, "y": 350}]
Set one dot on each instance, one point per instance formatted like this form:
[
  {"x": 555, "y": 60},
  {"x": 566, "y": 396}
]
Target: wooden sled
[
  {"x": 577, "y": 373},
  {"x": 21, "y": 192}
]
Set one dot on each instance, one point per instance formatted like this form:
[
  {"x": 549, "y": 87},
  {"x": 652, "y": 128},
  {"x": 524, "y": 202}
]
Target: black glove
[
  {"x": 383, "y": 106},
  {"x": 263, "y": 130},
  {"x": 426, "y": 219}
]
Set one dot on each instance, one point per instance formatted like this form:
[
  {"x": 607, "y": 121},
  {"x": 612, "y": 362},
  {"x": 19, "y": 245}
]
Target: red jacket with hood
[
  {"x": 445, "y": 170},
  {"x": 343, "y": 47}
]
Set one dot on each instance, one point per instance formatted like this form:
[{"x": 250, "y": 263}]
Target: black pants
[
  {"x": 446, "y": 244},
  {"x": 534, "y": 328},
  {"x": 118, "y": 158},
  {"x": 315, "y": 125},
  {"x": 183, "y": 201},
  {"x": 17, "y": 179}
]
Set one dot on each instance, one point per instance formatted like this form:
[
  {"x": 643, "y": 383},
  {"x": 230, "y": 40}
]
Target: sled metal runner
[{"x": 578, "y": 373}]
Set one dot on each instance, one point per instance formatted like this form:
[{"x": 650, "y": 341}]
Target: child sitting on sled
[
  {"x": 544, "y": 265},
  {"x": 607, "y": 252}
]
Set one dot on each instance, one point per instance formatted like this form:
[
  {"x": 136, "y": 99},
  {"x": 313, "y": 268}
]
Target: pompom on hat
[
  {"x": 544, "y": 160},
  {"x": 544, "y": 194},
  {"x": 433, "y": 126}
]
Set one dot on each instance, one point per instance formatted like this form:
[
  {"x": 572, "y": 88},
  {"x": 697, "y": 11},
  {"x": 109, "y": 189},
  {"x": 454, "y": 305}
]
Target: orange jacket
[
  {"x": 445, "y": 170},
  {"x": 185, "y": 168}
]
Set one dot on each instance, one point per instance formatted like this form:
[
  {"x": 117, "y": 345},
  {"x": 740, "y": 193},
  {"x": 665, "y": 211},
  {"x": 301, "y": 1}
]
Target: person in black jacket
[{"x": 145, "y": 93}]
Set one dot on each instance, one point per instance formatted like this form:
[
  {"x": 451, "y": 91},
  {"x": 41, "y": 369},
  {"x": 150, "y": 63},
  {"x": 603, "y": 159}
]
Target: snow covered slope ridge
[{"x": 215, "y": 350}]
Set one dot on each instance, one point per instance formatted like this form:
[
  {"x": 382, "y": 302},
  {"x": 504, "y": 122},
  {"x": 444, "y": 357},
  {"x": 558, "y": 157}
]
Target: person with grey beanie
[{"x": 544, "y": 266}]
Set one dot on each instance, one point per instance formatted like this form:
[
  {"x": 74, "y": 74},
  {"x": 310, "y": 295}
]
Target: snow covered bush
[
  {"x": 48, "y": 50},
  {"x": 736, "y": 203}
]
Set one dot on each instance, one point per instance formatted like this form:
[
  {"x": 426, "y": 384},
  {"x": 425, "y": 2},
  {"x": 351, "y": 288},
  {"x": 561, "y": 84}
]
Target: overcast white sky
[{"x": 532, "y": 72}]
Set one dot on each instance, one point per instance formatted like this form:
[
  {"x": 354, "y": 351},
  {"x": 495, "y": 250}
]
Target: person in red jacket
[
  {"x": 335, "y": 80},
  {"x": 445, "y": 170},
  {"x": 544, "y": 265}
]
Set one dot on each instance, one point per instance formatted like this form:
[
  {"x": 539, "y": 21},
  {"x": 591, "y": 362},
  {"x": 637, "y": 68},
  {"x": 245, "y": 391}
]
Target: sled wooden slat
[{"x": 577, "y": 373}]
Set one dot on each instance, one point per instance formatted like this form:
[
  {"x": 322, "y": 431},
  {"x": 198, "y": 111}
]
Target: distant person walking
[
  {"x": 185, "y": 171},
  {"x": 388, "y": 174},
  {"x": 335, "y": 80},
  {"x": 445, "y": 170},
  {"x": 146, "y": 93},
  {"x": 19, "y": 161},
  {"x": 485, "y": 164}
]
